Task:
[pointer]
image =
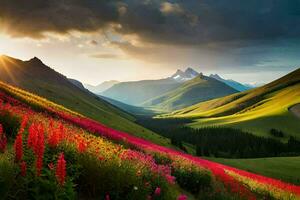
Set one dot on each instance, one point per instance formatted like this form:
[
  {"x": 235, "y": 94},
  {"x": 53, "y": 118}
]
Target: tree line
[{"x": 223, "y": 142}]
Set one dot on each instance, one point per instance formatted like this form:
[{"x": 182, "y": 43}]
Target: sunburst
[{"x": 5, "y": 62}]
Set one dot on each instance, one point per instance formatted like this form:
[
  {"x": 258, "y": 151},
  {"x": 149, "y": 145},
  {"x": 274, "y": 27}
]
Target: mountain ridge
[
  {"x": 101, "y": 87},
  {"x": 232, "y": 83},
  {"x": 137, "y": 92},
  {"x": 182, "y": 76}
]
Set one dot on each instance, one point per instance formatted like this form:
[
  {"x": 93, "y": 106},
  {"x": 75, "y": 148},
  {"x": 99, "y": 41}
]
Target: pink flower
[
  {"x": 1, "y": 130},
  {"x": 51, "y": 166},
  {"x": 157, "y": 191},
  {"x": 182, "y": 197}
]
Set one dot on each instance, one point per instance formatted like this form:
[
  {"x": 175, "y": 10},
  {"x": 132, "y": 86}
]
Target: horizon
[
  {"x": 134, "y": 40},
  {"x": 224, "y": 76}
]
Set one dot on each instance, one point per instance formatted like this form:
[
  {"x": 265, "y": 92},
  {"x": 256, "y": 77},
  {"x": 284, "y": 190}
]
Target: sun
[{"x": 3, "y": 45}]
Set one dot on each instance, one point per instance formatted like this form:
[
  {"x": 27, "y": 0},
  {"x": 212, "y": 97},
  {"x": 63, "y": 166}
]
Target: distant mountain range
[
  {"x": 234, "y": 84},
  {"x": 180, "y": 84},
  {"x": 137, "y": 92},
  {"x": 101, "y": 87}
]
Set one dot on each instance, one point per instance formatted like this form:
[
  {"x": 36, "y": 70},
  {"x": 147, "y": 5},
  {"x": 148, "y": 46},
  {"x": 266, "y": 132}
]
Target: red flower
[
  {"x": 61, "y": 169},
  {"x": 18, "y": 146},
  {"x": 39, "y": 165},
  {"x": 32, "y": 137},
  {"x": 107, "y": 197},
  {"x": 36, "y": 141},
  {"x": 81, "y": 146},
  {"x": 61, "y": 131},
  {"x": 39, "y": 149},
  {"x": 23, "y": 167},
  {"x": 23, "y": 124},
  {"x": 3, "y": 143},
  {"x": 53, "y": 139},
  {"x": 3, "y": 140}
]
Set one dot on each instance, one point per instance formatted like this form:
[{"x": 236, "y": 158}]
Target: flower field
[{"x": 50, "y": 152}]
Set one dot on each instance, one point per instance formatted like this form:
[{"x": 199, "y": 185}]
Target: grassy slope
[
  {"x": 134, "y": 110},
  {"x": 199, "y": 89},
  {"x": 37, "y": 78},
  {"x": 284, "y": 168},
  {"x": 257, "y": 110}
]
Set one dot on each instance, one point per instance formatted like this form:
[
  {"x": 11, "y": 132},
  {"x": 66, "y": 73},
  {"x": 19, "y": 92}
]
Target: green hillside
[
  {"x": 257, "y": 110},
  {"x": 137, "y": 92},
  {"x": 201, "y": 88},
  {"x": 39, "y": 79},
  {"x": 283, "y": 168}
]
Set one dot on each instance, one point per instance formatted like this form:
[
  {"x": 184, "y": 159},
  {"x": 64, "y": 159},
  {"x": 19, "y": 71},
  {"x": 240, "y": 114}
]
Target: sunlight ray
[{"x": 3, "y": 64}]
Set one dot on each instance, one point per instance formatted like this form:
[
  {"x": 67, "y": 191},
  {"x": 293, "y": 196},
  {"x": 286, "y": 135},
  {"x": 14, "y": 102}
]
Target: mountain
[
  {"x": 137, "y": 92},
  {"x": 254, "y": 85},
  {"x": 134, "y": 110},
  {"x": 188, "y": 74},
  {"x": 257, "y": 110},
  {"x": 101, "y": 87},
  {"x": 201, "y": 88},
  {"x": 34, "y": 76},
  {"x": 77, "y": 83},
  {"x": 234, "y": 84}
]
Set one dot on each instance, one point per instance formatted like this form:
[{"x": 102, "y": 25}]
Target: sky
[{"x": 93, "y": 41}]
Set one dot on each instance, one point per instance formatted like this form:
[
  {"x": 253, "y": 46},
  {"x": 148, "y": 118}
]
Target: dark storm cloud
[
  {"x": 34, "y": 17},
  {"x": 185, "y": 22}
]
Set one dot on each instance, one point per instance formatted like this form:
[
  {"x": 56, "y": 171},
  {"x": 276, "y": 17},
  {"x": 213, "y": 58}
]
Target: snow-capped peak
[{"x": 188, "y": 74}]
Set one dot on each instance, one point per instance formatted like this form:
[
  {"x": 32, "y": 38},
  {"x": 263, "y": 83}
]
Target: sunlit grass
[{"x": 270, "y": 113}]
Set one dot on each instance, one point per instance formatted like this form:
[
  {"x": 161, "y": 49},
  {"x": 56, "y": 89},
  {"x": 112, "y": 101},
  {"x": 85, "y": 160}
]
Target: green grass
[
  {"x": 37, "y": 78},
  {"x": 283, "y": 168},
  {"x": 270, "y": 113}
]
